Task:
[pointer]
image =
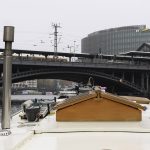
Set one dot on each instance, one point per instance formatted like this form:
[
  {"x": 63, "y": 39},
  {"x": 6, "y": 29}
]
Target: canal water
[{"x": 17, "y": 100}]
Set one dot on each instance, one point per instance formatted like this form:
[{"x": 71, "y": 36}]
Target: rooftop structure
[
  {"x": 142, "y": 51},
  {"x": 98, "y": 106}
]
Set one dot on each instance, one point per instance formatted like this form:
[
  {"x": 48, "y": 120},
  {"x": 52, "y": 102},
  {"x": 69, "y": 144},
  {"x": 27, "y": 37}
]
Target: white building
[{"x": 25, "y": 84}]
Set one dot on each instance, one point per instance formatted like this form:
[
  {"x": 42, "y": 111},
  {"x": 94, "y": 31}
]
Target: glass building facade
[{"x": 116, "y": 40}]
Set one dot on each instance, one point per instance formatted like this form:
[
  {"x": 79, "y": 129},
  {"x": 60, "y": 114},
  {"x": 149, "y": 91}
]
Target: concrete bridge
[{"x": 120, "y": 74}]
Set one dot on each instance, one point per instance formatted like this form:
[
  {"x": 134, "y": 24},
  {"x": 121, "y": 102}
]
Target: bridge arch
[{"x": 77, "y": 75}]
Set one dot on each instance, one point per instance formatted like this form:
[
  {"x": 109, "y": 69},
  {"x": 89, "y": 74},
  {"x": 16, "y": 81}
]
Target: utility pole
[{"x": 55, "y": 26}]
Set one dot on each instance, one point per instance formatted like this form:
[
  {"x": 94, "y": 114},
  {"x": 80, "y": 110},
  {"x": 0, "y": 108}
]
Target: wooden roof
[
  {"x": 75, "y": 99},
  {"x": 122, "y": 100},
  {"x": 97, "y": 94}
]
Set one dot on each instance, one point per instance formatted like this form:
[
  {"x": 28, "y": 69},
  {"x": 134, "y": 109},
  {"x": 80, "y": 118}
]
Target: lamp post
[{"x": 8, "y": 38}]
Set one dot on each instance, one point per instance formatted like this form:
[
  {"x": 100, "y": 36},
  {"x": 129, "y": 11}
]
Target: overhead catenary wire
[{"x": 31, "y": 38}]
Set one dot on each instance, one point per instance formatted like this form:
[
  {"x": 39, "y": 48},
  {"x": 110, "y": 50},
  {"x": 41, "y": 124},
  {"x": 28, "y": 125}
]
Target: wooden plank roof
[
  {"x": 97, "y": 94},
  {"x": 121, "y": 100},
  {"x": 75, "y": 99}
]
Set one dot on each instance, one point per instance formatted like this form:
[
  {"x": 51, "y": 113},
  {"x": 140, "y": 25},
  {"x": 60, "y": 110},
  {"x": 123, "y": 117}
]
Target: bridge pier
[
  {"x": 142, "y": 80},
  {"x": 147, "y": 82},
  {"x": 133, "y": 78},
  {"x": 113, "y": 74},
  {"x": 123, "y": 75}
]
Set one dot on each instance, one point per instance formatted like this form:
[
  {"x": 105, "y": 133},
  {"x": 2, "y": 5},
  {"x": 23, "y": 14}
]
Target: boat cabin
[{"x": 98, "y": 106}]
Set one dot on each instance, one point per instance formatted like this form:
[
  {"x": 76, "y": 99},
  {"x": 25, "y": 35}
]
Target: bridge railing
[
  {"x": 64, "y": 61},
  {"x": 47, "y": 61}
]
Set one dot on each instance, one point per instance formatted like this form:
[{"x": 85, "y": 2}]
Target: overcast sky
[{"x": 33, "y": 18}]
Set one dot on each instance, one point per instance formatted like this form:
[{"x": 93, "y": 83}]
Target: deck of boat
[{"x": 49, "y": 134}]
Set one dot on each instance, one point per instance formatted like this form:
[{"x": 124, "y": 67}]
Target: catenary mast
[{"x": 55, "y": 26}]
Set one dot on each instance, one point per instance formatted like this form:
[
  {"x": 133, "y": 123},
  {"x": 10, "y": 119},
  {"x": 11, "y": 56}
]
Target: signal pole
[{"x": 55, "y": 26}]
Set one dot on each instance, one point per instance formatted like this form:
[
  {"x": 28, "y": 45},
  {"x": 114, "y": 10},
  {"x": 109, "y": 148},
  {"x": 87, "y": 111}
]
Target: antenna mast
[{"x": 55, "y": 26}]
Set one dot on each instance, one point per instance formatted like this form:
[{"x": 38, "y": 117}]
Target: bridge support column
[
  {"x": 7, "y": 72},
  {"x": 123, "y": 75},
  {"x": 147, "y": 82},
  {"x": 113, "y": 74},
  {"x": 133, "y": 79},
  {"x": 142, "y": 80}
]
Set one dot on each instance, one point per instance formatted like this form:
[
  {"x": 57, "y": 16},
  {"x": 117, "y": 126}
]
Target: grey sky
[{"x": 33, "y": 18}]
